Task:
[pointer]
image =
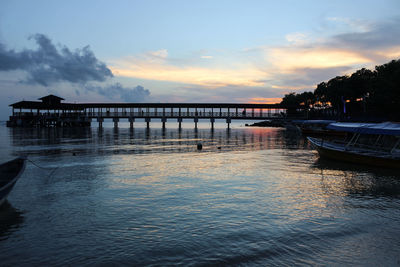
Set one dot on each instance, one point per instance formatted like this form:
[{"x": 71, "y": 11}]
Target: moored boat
[
  {"x": 317, "y": 128},
  {"x": 375, "y": 144},
  {"x": 9, "y": 174}
]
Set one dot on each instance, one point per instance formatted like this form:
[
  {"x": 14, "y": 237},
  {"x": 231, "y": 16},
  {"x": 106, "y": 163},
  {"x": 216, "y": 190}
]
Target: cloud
[
  {"x": 49, "y": 64},
  {"x": 210, "y": 76},
  {"x": 226, "y": 94},
  {"x": 297, "y": 38},
  {"x": 206, "y": 77},
  {"x": 304, "y": 62},
  {"x": 265, "y": 100},
  {"x": 301, "y": 67},
  {"x": 135, "y": 94},
  {"x": 289, "y": 58},
  {"x": 307, "y": 78},
  {"x": 354, "y": 24},
  {"x": 377, "y": 36},
  {"x": 159, "y": 54}
]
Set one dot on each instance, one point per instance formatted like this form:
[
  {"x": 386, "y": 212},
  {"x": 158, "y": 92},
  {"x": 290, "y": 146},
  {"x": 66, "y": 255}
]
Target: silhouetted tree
[
  {"x": 307, "y": 99},
  {"x": 365, "y": 90},
  {"x": 385, "y": 92},
  {"x": 290, "y": 99},
  {"x": 360, "y": 83}
]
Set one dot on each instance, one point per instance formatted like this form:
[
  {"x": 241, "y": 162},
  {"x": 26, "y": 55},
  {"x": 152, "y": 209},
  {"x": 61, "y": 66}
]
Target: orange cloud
[
  {"x": 265, "y": 100},
  {"x": 390, "y": 53},
  {"x": 288, "y": 59},
  {"x": 162, "y": 70},
  {"x": 191, "y": 75}
]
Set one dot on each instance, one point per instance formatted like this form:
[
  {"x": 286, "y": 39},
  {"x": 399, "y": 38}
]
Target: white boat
[
  {"x": 9, "y": 174},
  {"x": 374, "y": 144}
]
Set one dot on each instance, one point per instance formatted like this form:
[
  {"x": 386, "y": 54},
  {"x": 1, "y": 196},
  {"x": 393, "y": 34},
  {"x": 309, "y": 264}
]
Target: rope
[{"x": 53, "y": 170}]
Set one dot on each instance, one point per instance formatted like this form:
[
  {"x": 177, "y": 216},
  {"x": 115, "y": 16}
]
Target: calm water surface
[{"x": 252, "y": 196}]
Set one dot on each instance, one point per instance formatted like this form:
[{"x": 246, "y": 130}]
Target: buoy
[{"x": 199, "y": 146}]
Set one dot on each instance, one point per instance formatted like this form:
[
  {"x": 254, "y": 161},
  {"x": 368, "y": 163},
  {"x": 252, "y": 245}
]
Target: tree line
[{"x": 363, "y": 94}]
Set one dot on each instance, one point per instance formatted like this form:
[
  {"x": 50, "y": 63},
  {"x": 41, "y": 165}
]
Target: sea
[{"x": 251, "y": 196}]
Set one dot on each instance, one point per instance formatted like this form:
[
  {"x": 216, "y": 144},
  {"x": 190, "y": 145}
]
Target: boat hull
[
  {"x": 352, "y": 157},
  {"x": 9, "y": 175}
]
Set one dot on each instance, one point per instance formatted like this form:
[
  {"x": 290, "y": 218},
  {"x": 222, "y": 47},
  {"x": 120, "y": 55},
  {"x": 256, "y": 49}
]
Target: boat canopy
[{"x": 386, "y": 128}]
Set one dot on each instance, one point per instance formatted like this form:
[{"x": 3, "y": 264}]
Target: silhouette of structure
[{"x": 51, "y": 112}]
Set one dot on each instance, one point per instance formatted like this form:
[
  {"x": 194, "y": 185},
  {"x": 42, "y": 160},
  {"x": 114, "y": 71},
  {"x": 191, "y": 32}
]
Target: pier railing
[
  {"x": 144, "y": 114},
  {"x": 51, "y": 112},
  {"x": 183, "y": 114}
]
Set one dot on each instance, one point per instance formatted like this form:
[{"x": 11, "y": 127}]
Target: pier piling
[
  {"x": 212, "y": 120},
  {"x": 100, "y": 121},
  {"x": 147, "y": 120},
  {"x": 180, "y": 123},
  {"x": 115, "y": 120},
  {"x": 131, "y": 121}
]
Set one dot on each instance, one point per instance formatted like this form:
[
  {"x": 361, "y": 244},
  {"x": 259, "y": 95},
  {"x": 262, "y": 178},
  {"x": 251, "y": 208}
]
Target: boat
[
  {"x": 10, "y": 172},
  {"x": 318, "y": 128},
  {"x": 374, "y": 144}
]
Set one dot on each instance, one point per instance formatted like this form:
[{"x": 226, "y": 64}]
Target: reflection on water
[
  {"x": 10, "y": 220},
  {"x": 251, "y": 196},
  {"x": 139, "y": 141},
  {"x": 357, "y": 180}
]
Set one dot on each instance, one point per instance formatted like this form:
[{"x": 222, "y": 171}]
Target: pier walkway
[{"x": 51, "y": 112}]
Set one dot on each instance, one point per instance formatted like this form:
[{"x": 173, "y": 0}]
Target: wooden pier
[{"x": 51, "y": 112}]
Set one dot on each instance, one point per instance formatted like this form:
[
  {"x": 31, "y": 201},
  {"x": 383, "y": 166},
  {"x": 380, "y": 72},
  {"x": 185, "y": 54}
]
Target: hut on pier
[{"x": 48, "y": 112}]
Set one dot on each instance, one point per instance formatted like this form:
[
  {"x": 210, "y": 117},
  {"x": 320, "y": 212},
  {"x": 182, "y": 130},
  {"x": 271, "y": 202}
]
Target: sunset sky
[{"x": 187, "y": 51}]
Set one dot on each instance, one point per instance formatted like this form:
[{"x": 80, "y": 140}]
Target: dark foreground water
[{"x": 252, "y": 196}]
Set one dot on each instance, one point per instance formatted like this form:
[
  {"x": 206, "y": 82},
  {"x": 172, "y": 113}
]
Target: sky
[{"x": 187, "y": 51}]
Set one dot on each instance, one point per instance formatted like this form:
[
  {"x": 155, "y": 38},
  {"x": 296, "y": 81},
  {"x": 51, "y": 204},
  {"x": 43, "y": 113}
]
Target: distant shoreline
[{"x": 265, "y": 124}]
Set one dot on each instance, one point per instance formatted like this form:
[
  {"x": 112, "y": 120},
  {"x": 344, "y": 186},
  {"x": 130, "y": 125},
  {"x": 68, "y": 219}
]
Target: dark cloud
[
  {"x": 382, "y": 35},
  {"x": 49, "y": 64},
  {"x": 309, "y": 76},
  {"x": 135, "y": 94}
]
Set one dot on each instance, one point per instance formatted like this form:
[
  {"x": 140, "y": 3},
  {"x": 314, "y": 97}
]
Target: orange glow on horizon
[{"x": 265, "y": 100}]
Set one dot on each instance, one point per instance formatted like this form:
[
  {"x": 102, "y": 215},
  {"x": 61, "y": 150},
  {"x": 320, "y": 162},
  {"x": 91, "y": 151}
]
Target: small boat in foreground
[
  {"x": 9, "y": 174},
  {"x": 374, "y": 144}
]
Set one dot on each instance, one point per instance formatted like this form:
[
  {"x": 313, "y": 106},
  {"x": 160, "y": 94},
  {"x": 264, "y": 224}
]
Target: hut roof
[
  {"x": 45, "y": 106},
  {"x": 48, "y": 97}
]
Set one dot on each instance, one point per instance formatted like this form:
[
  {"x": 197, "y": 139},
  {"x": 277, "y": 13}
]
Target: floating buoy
[{"x": 199, "y": 146}]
